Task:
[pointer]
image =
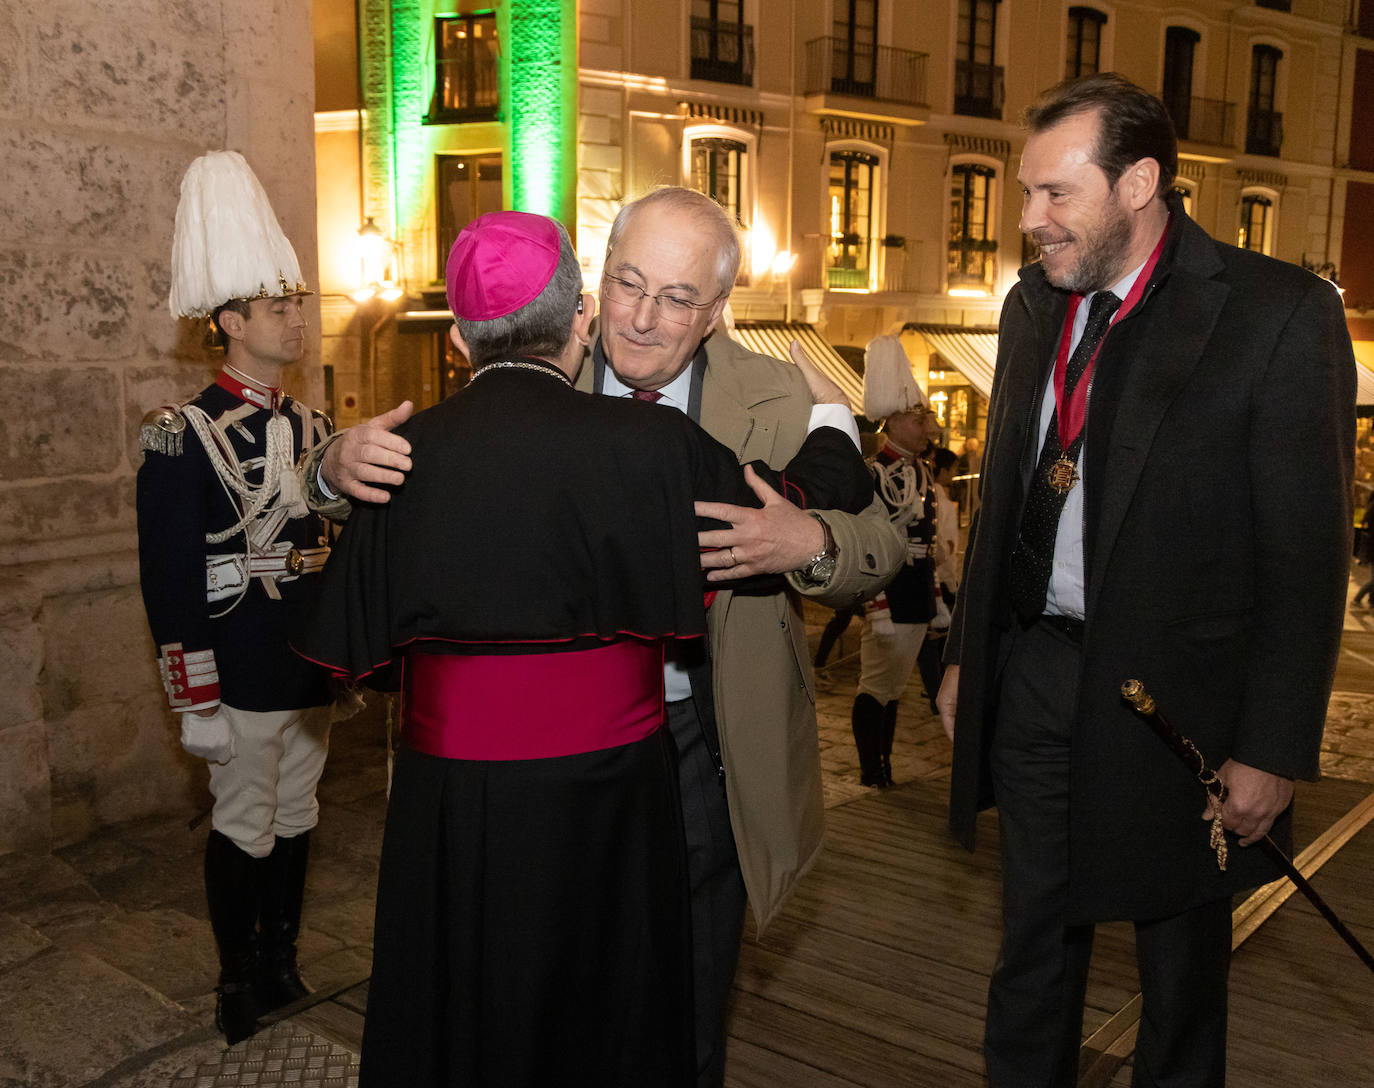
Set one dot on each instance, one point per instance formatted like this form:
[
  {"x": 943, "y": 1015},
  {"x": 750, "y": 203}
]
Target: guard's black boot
[
  {"x": 885, "y": 748},
  {"x": 283, "y": 887},
  {"x": 867, "y": 722},
  {"x": 231, "y": 890}
]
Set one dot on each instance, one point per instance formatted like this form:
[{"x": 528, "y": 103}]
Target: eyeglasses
[{"x": 672, "y": 308}]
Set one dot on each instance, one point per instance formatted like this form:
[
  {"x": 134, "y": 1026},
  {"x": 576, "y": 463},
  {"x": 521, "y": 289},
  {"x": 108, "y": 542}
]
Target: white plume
[{"x": 228, "y": 243}]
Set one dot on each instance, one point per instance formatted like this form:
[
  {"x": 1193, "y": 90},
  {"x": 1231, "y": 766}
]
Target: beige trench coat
[{"x": 765, "y": 698}]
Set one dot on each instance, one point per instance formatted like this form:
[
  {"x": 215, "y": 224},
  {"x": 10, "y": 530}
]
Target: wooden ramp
[{"x": 876, "y": 973}]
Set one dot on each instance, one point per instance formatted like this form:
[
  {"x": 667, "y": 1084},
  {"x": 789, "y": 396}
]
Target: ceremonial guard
[
  {"x": 896, "y": 620},
  {"x": 226, "y": 548}
]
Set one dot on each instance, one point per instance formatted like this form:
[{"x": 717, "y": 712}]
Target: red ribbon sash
[{"x": 1071, "y": 415}]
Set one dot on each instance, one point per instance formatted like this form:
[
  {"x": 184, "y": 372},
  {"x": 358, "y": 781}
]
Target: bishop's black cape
[{"x": 539, "y": 518}]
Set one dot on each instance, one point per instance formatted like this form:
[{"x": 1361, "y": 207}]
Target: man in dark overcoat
[{"x": 1151, "y": 511}]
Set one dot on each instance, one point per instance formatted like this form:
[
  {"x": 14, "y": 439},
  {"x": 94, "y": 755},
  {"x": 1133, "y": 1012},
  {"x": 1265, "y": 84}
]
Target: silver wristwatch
[{"x": 820, "y": 568}]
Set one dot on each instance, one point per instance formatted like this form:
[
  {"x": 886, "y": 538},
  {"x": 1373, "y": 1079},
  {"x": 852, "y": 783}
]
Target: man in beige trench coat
[{"x": 671, "y": 261}]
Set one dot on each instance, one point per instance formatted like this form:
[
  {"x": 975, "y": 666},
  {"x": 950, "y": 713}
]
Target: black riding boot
[
  {"x": 867, "y": 721},
  {"x": 283, "y": 887},
  {"x": 885, "y": 750},
  {"x": 231, "y": 890}
]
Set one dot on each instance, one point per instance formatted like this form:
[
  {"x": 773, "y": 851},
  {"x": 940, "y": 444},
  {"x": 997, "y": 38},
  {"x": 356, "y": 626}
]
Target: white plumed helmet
[
  {"x": 228, "y": 243},
  {"x": 889, "y": 386}
]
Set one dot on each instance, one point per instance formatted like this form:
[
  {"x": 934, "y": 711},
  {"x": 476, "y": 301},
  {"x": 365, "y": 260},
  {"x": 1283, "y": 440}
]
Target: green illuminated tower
[{"x": 539, "y": 88}]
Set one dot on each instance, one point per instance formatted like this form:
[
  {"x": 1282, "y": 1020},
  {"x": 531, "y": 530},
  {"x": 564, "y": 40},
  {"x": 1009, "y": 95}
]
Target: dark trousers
[
  {"x": 1035, "y": 1001},
  {"x": 717, "y": 888}
]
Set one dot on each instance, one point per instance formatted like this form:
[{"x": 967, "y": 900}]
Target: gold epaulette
[{"x": 162, "y": 429}]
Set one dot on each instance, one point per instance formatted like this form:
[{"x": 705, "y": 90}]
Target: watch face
[{"x": 822, "y": 569}]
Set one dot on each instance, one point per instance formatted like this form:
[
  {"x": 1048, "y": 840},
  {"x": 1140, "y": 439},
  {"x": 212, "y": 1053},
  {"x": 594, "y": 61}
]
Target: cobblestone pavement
[{"x": 107, "y": 962}]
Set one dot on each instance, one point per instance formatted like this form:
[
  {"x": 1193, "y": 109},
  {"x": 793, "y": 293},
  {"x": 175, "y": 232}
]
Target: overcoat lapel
[{"x": 1178, "y": 328}]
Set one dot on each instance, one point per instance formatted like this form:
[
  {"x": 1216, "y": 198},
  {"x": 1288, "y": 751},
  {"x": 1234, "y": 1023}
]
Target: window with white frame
[
  {"x": 972, "y": 264},
  {"x": 717, "y": 161},
  {"x": 1256, "y": 231},
  {"x": 851, "y": 196}
]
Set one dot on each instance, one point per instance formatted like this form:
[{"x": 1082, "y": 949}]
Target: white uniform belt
[{"x": 227, "y": 573}]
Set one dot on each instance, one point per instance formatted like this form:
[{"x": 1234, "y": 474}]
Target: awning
[
  {"x": 971, "y": 351},
  {"x": 1364, "y": 373},
  {"x": 773, "y": 337}
]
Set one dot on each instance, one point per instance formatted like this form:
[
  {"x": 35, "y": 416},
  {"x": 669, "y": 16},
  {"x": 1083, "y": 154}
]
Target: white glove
[{"x": 208, "y": 736}]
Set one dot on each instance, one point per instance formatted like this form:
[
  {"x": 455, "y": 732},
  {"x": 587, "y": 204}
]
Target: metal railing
[
  {"x": 817, "y": 266},
  {"x": 1264, "y": 133},
  {"x": 723, "y": 52},
  {"x": 1204, "y": 120},
  {"x": 883, "y": 73},
  {"x": 979, "y": 89}
]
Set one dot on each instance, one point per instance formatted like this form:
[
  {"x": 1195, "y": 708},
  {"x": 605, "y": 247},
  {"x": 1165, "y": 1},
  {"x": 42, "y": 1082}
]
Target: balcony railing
[
  {"x": 1204, "y": 120},
  {"x": 882, "y": 73},
  {"x": 723, "y": 52},
  {"x": 1264, "y": 133},
  {"x": 820, "y": 266},
  {"x": 466, "y": 87},
  {"x": 978, "y": 89}
]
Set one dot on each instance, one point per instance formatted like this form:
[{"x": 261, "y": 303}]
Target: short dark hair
[
  {"x": 943, "y": 459},
  {"x": 539, "y": 328},
  {"x": 241, "y": 306},
  {"x": 1132, "y": 124}
]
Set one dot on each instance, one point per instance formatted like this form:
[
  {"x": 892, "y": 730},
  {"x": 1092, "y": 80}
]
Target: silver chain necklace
[{"x": 520, "y": 364}]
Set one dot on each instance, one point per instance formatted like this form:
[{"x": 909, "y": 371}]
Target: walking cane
[{"x": 1133, "y": 691}]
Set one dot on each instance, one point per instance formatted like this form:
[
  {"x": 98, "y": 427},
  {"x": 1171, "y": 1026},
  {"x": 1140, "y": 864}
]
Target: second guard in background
[
  {"x": 226, "y": 550},
  {"x": 896, "y": 622}
]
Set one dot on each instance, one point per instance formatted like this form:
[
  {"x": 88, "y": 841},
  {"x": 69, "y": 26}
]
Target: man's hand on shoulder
[
  {"x": 1254, "y": 800},
  {"x": 823, "y": 390},
  {"x": 367, "y": 455},
  {"x": 773, "y": 540}
]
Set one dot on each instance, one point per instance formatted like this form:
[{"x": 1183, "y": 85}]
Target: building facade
[{"x": 867, "y": 149}]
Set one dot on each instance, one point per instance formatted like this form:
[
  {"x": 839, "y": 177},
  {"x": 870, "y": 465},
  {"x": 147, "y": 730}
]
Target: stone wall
[{"x": 102, "y": 106}]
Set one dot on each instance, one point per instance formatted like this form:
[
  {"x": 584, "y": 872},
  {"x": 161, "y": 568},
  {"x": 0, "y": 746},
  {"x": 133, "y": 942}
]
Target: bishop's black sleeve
[
  {"x": 348, "y": 627},
  {"x": 827, "y": 473}
]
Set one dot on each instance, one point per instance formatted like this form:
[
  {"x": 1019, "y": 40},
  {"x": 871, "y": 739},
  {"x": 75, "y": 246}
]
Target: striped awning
[
  {"x": 774, "y": 337},
  {"x": 1364, "y": 373},
  {"x": 971, "y": 351}
]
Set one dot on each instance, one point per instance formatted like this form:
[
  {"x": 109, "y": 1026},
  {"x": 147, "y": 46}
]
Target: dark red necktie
[{"x": 650, "y": 395}]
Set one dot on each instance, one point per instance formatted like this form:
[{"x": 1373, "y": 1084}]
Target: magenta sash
[{"x": 532, "y": 706}]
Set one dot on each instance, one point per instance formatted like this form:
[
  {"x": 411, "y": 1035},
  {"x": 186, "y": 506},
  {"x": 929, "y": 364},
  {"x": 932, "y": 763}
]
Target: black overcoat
[{"x": 1218, "y": 457}]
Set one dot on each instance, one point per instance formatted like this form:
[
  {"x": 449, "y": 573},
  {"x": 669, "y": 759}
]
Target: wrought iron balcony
[
  {"x": 882, "y": 73},
  {"x": 1264, "y": 133},
  {"x": 979, "y": 89},
  {"x": 1203, "y": 120},
  {"x": 723, "y": 52}
]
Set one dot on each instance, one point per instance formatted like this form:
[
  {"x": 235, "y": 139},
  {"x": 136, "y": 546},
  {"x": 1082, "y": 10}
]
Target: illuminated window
[
  {"x": 466, "y": 81},
  {"x": 718, "y": 171},
  {"x": 1085, "y": 42},
  {"x": 847, "y": 257},
  {"x": 1256, "y": 222},
  {"x": 1185, "y": 193},
  {"x": 466, "y": 186},
  {"x": 972, "y": 247}
]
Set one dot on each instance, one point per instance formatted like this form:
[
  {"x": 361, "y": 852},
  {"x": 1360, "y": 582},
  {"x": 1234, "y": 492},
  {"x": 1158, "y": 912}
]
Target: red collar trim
[{"x": 248, "y": 390}]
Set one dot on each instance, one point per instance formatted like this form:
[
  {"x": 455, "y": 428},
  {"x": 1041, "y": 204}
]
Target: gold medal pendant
[{"x": 1062, "y": 475}]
